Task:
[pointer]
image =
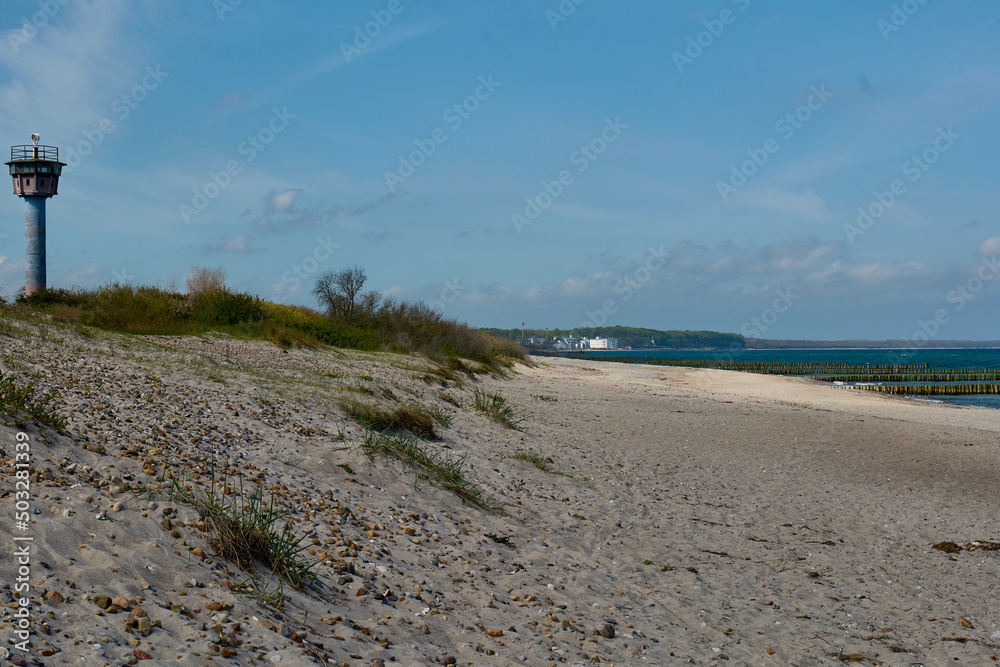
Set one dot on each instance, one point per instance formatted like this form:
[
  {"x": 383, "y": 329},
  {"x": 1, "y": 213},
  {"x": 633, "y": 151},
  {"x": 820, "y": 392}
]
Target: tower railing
[{"x": 48, "y": 153}]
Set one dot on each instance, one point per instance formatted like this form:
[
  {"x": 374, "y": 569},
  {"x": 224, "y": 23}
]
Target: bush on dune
[
  {"x": 406, "y": 326},
  {"x": 355, "y": 319}
]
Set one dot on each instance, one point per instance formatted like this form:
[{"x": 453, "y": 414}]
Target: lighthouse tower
[{"x": 35, "y": 170}]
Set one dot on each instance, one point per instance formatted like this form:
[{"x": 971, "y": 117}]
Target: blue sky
[{"x": 688, "y": 165}]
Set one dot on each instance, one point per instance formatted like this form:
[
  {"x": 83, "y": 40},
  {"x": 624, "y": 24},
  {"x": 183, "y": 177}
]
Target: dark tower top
[{"x": 35, "y": 170}]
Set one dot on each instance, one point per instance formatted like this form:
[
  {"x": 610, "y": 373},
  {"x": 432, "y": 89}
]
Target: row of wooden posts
[
  {"x": 844, "y": 372},
  {"x": 933, "y": 389}
]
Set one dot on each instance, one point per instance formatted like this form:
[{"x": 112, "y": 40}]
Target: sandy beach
[{"x": 686, "y": 517}]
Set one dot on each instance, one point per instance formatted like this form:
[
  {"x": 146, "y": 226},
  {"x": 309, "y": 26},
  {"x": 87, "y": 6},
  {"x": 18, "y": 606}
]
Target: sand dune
[{"x": 689, "y": 517}]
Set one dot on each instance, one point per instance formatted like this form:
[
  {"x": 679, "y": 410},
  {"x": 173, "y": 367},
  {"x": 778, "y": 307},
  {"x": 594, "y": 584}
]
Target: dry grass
[
  {"x": 203, "y": 280},
  {"x": 411, "y": 418}
]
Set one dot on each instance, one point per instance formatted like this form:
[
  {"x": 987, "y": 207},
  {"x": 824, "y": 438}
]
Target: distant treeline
[
  {"x": 634, "y": 337},
  {"x": 774, "y": 344}
]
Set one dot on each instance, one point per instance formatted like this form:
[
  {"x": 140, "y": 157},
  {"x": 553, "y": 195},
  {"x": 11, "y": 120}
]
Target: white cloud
[
  {"x": 575, "y": 285},
  {"x": 990, "y": 246},
  {"x": 395, "y": 290},
  {"x": 64, "y": 79},
  {"x": 239, "y": 244},
  {"x": 875, "y": 275},
  {"x": 283, "y": 200},
  {"x": 81, "y": 275},
  {"x": 806, "y": 204}
]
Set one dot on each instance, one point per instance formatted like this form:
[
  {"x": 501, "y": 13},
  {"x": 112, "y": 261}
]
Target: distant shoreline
[{"x": 758, "y": 349}]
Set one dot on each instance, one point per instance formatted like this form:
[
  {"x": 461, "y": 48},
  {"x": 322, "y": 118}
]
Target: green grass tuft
[
  {"x": 245, "y": 531},
  {"x": 496, "y": 407},
  {"x": 534, "y": 458},
  {"x": 20, "y": 404},
  {"x": 442, "y": 471}
]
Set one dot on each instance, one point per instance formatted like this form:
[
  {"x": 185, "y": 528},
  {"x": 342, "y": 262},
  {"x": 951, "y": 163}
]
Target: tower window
[
  {"x": 27, "y": 182},
  {"x": 41, "y": 182}
]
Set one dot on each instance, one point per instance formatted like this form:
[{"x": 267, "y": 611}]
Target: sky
[{"x": 779, "y": 169}]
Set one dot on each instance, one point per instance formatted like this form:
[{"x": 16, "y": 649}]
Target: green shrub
[
  {"x": 136, "y": 309},
  {"x": 227, "y": 308},
  {"x": 52, "y": 296},
  {"x": 340, "y": 335}
]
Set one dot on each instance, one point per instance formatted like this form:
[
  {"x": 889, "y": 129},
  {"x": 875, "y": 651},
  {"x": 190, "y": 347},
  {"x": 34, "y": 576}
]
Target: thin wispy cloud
[{"x": 66, "y": 77}]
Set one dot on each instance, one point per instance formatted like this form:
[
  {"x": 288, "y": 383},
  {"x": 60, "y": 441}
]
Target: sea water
[{"x": 988, "y": 358}]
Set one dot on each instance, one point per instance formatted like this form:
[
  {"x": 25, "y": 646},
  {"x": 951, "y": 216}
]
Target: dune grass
[
  {"x": 444, "y": 472},
  {"x": 21, "y": 405},
  {"x": 534, "y": 458},
  {"x": 244, "y": 529},
  {"x": 496, "y": 407},
  {"x": 410, "y": 418}
]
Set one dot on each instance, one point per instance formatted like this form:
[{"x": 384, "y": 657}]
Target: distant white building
[
  {"x": 601, "y": 343},
  {"x": 569, "y": 343}
]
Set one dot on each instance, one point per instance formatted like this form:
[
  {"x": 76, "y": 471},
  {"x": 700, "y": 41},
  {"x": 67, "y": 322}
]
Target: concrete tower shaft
[{"x": 34, "y": 239}]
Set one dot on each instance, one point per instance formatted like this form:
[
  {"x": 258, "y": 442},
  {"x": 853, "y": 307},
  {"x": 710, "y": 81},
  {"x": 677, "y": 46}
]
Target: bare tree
[
  {"x": 203, "y": 280},
  {"x": 326, "y": 292},
  {"x": 369, "y": 302},
  {"x": 339, "y": 290}
]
